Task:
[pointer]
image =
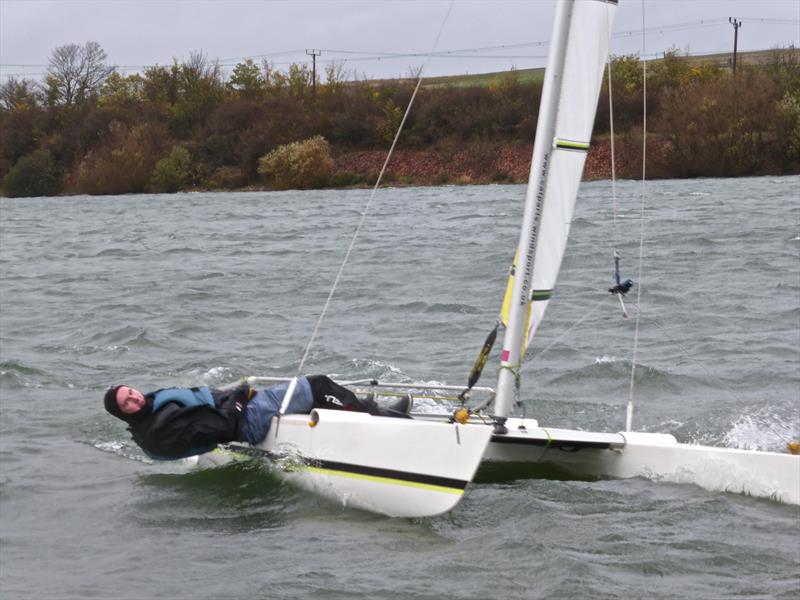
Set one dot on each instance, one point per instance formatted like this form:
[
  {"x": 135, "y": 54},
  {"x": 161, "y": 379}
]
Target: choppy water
[{"x": 205, "y": 288}]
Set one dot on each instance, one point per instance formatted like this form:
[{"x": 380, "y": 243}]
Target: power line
[{"x": 352, "y": 56}]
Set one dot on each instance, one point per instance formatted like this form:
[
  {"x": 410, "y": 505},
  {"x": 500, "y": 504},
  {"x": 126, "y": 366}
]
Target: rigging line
[
  {"x": 687, "y": 354},
  {"x": 615, "y": 233},
  {"x": 570, "y": 328},
  {"x": 620, "y": 287},
  {"x": 372, "y": 196},
  {"x": 440, "y": 52},
  {"x": 629, "y": 410}
]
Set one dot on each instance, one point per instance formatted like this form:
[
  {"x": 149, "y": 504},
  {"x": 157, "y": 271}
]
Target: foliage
[
  {"x": 34, "y": 175},
  {"x": 246, "y": 79},
  {"x": 717, "y": 129},
  {"x": 18, "y": 94},
  {"x": 626, "y": 74},
  {"x": 123, "y": 163},
  {"x": 783, "y": 67},
  {"x": 107, "y": 131},
  {"x": 119, "y": 90},
  {"x": 171, "y": 173},
  {"x": 199, "y": 89},
  {"x": 225, "y": 178},
  {"x": 392, "y": 117},
  {"x": 299, "y": 165},
  {"x": 789, "y": 110},
  {"x": 21, "y": 124}
]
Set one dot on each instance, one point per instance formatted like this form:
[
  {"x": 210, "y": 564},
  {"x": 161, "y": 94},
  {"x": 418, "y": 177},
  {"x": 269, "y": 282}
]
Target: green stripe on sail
[
  {"x": 541, "y": 295},
  {"x": 572, "y": 145}
]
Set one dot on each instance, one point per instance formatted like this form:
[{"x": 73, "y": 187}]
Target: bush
[
  {"x": 35, "y": 174},
  {"x": 172, "y": 172},
  {"x": 717, "y": 129},
  {"x": 346, "y": 179},
  {"x": 299, "y": 165},
  {"x": 225, "y": 178},
  {"x": 123, "y": 163}
]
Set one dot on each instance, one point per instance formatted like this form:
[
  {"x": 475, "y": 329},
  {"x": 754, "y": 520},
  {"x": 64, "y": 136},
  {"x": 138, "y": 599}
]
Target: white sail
[
  {"x": 579, "y": 48},
  {"x": 587, "y": 50}
]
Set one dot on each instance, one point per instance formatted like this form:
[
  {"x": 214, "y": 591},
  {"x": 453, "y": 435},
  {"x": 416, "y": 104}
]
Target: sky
[{"x": 369, "y": 38}]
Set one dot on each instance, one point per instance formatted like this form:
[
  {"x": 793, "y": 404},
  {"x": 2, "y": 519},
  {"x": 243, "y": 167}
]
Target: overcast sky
[{"x": 354, "y": 33}]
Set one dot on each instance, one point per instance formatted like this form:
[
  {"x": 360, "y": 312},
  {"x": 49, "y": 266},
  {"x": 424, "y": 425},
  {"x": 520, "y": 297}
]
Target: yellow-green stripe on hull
[{"x": 378, "y": 479}]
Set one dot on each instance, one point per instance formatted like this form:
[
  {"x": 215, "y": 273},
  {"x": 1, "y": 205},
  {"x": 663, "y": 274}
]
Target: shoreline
[{"x": 472, "y": 164}]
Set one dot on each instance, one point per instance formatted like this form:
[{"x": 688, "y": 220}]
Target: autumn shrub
[
  {"x": 299, "y": 165},
  {"x": 20, "y": 133},
  {"x": 719, "y": 129},
  {"x": 171, "y": 173},
  {"x": 347, "y": 117},
  {"x": 35, "y": 174},
  {"x": 789, "y": 113},
  {"x": 346, "y": 179},
  {"x": 388, "y": 125},
  {"x": 225, "y": 178},
  {"x": 123, "y": 163}
]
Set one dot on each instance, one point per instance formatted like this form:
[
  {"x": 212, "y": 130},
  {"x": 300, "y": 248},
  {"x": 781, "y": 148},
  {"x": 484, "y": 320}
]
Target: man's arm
[{"x": 175, "y": 431}]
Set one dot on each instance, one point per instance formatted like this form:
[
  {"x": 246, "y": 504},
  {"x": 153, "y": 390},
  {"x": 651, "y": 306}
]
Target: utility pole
[
  {"x": 314, "y": 54},
  {"x": 736, "y": 25}
]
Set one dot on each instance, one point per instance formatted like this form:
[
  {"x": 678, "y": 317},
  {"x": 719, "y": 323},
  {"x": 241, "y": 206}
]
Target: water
[{"x": 205, "y": 288}]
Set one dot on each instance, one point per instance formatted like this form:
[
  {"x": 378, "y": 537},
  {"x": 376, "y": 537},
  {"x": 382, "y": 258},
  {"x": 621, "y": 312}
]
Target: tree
[
  {"x": 76, "y": 73},
  {"x": 171, "y": 173},
  {"x": 246, "y": 79},
  {"x": 299, "y": 80},
  {"x": 17, "y": 94},
  {"x": 626, "y": 74},
  {"x": 119, "y": 90},
  {"x": 34, "y": 175},
  {"x": 161, "y": 83},
  {"x": 200, "y": 91}
]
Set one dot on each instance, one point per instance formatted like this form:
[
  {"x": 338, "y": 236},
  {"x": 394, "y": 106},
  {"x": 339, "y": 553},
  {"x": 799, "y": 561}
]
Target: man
[{"x": 174, "y": 423}]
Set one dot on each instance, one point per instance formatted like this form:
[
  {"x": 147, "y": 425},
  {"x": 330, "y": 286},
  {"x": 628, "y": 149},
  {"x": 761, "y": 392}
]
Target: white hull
[
  {"x": 659, "y": 457},
  {"x": 396, "y": 467}
]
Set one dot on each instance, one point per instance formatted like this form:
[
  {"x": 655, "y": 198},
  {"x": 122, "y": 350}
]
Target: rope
[
  {"x": 629, "y": 411},
  {"x": 613, "y": 153},
  {"x": 372, "y": 196},
  {"x": 687, "y": 355},
  {"x": 570, "y": 328},
  {"x": 619, "y": 290}
]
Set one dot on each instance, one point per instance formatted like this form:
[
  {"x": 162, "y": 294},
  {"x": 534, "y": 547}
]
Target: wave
[
  {"x": 16, "y": 375},
  {"x": 614, "y": 369},
  {"x": 763, "y": 431},
  {"x": 438, "y": 307}
]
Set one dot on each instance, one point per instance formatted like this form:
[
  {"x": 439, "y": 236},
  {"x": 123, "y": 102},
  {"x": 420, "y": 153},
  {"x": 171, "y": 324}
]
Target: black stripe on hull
[
  {"x": 568, "y": 445},
  {"x": 456, "y": 484}
]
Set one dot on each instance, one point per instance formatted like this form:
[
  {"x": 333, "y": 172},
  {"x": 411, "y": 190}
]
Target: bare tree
[{"x": 76, "y": 73}]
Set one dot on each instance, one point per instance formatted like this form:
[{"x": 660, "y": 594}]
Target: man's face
[{"x": 129, "y": 400}]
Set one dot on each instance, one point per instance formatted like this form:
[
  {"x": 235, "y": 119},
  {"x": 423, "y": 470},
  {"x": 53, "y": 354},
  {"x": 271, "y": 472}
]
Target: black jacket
[{"x": 177, "y": 431}]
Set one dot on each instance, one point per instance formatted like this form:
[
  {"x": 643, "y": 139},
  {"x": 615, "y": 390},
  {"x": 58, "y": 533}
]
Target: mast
[{"x": 511, "y": 354}]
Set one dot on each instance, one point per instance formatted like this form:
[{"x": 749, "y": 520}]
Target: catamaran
[{"x": 420, "y": 467}]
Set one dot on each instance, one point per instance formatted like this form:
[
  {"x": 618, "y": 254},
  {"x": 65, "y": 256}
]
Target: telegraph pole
[
  {"x": 314, "y": 54},
  {"x": 736, "y": 25}
]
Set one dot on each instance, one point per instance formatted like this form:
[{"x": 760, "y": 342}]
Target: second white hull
[{"x": 564, "y": 453}]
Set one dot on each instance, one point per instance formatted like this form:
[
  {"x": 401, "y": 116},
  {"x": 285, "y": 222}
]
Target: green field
[{"x": 756, "y": 57}]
